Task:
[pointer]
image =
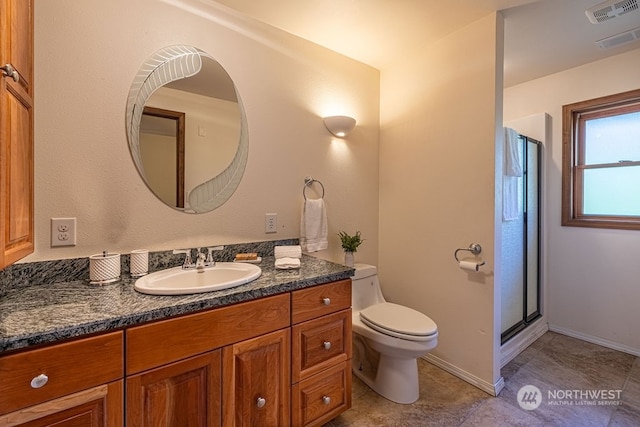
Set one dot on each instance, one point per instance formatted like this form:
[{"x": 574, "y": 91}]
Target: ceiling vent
[
  {"x": 619, "y": 39},
  {"x": 610, "y": 9}
]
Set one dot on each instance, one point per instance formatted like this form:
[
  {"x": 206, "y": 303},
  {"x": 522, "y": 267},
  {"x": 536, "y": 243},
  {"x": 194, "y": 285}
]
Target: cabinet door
[
  {"x": 16, "y": 131},
  {"x": 256, "y": 381},
  {"x": 185, "y": 393},
  {"x": 96, "y": 407}
]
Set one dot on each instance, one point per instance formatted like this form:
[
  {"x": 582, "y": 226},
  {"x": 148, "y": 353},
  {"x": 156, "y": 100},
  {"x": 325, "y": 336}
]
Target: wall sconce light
[{"x": 340, "y": 126}]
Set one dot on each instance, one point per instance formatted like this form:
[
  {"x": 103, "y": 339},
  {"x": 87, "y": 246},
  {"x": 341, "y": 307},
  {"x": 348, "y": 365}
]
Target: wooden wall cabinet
[{"x": 16, "y": 130}]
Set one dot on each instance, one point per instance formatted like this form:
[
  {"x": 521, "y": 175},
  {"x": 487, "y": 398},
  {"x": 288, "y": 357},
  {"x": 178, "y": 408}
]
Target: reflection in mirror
[
  {"x": 162, "y": 151},
  {"x": 201, "y": 172}
]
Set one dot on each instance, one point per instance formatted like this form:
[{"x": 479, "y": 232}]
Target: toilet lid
[{"x": 398, "y": 320}]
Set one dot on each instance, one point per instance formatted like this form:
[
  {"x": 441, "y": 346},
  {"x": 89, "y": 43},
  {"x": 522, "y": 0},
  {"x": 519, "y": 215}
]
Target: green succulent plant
[{"x": 350, "y": 243}]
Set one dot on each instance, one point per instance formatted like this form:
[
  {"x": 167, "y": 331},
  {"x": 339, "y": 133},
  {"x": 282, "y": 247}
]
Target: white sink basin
[{"x": 178, "y": 281}]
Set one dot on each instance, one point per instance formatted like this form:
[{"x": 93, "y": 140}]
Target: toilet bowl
[{"x": 387, "y": 339}]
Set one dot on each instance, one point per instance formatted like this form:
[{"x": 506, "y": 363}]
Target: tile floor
[{"x": 554, "y": 363}]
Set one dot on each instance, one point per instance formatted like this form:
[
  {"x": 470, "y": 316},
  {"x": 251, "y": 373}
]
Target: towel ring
[{"x": 307, "y": 183}]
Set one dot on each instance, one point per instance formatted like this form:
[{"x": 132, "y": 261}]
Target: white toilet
[{"x": 387, "y": 339}]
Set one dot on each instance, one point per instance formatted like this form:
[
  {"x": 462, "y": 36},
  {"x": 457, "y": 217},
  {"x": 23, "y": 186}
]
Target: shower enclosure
[{"x": 521, "y": 302}]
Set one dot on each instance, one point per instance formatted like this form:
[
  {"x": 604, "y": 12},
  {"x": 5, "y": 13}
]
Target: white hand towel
[
  {"x": 510, "y": 190},
  {"x": 510, "y": 180},
  {"x": 512, "y": 157},
  {"x": 289, "y": 251},
  {"x": 287, "y": 263},
  {"x": 313, "y": 226}
]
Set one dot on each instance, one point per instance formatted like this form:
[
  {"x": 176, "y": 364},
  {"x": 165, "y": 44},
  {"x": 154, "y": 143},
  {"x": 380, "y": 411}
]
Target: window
[{"x": 601, "y": 162}]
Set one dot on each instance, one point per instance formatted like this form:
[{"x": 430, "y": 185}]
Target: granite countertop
[{"x": 39, "y": 314}]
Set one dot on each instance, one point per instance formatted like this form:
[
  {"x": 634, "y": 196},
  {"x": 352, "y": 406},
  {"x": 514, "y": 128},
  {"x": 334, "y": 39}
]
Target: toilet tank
[{"x": 365, "y": 288}]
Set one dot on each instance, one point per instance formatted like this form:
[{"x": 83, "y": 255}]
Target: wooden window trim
[{"x": 573, "y": 163}]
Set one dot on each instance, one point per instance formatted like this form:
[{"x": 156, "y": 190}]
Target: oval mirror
[{"x": 187, "y": 129}]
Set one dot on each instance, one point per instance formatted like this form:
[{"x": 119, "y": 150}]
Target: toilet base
[{"x": 396, "y": 379}]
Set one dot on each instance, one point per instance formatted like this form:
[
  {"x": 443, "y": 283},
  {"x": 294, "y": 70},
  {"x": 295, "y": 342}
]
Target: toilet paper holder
[{"x": 474, "y": 248}]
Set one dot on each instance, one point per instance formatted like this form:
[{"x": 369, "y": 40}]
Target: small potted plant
[{"x": 350, "y": 245}]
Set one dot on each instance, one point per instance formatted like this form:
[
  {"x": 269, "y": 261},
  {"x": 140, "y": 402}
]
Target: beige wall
[
  {"x": 437, "y": 160},
  {"x": 592, "y": 275},
  {"x": 87, "y": 54},
  {"x": 439, "y": 117}
]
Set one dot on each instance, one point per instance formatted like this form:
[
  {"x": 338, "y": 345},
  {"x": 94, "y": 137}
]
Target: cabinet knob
[
  {"x": 326, "y": 400},
  {"x": 326, "y": 345},
  {"x": 39, "y": 381},
  {"x": 326, "y": 301},
  {"x": 260, "y": 402},
  {"x": 9, "y": 71}
]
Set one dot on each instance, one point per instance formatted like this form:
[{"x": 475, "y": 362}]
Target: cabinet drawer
[
  {"x": 317, "y": 301},
  {"x": 321, "y": 397},
  {"x": 320, "y": 343},
  {"x": 167, "y": 341},
  {"x": 69, "y": 367}
]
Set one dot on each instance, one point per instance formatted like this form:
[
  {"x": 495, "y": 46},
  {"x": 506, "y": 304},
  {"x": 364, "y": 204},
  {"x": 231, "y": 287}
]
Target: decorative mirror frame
[{"x": 167, "y": 65}]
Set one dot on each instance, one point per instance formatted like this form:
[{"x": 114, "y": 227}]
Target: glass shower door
[{"x": 521, "y": 248}]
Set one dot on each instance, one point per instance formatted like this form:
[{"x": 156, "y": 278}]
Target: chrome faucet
[
  {"x": 187, "y": 259},
  {"x": 210, "y": 250},
  {"x": 202, "y": 260}
]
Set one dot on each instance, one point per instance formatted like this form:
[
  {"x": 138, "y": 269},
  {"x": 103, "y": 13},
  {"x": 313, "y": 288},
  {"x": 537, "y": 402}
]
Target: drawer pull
[
  {"x": 39, "y": 381},
  {"x": 326, "y": 301},
  {"x": 326, "y": 345},
  {"x": 261, "y": 402},
  {"x": 326, "y": 400}
]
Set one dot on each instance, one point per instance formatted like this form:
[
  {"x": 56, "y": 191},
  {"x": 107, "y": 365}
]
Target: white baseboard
[
  {"x": 492, "y": 389},
  {"x": 524, "y": 339},
  {"x": 595, "y": 340}
]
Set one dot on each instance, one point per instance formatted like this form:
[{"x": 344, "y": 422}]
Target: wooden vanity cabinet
[
  {"x": 245, "y": 364},
  {"x": 321, "y": 353},
  {"x": 283, "y": 360},
  {"x": 78, "y": 383},
  {"x": 183, "y": 371},
  {"x": 16, "y": 130}
]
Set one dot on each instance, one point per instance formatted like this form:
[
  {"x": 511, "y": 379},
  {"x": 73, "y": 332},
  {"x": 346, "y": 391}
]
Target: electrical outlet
[
  {"x": 270, "y": 223},
  {"x": 63, "y": 232}
]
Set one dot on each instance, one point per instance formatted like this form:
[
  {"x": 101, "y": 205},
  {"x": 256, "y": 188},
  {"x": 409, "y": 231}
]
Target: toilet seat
[{"x": 399, "y": 321}]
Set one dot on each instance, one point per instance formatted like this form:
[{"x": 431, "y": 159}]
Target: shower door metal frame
[{"x": 527, "y": 319}]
